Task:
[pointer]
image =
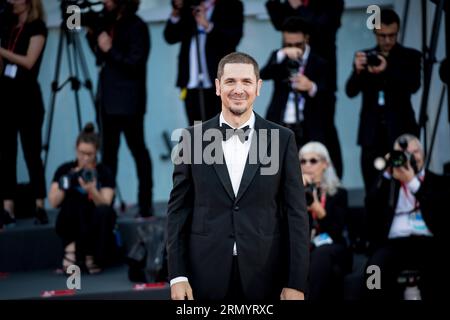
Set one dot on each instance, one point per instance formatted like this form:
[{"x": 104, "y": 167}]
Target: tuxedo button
[{"x": 236, "y": 208}]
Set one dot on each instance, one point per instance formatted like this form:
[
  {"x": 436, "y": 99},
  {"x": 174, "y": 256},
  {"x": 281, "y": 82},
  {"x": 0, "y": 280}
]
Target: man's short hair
[
  {"x": 408, "y": 138},
  {"x": 389, "y": 16},
  {"x": 296, "y": 25},
  {"x": 237, "y": 57}
]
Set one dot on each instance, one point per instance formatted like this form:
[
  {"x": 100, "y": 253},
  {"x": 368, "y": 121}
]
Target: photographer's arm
[
  {"x": 33, "y": 53},
  {"x": 56, "y": 195},
  {"x": 104, "y": 196}
]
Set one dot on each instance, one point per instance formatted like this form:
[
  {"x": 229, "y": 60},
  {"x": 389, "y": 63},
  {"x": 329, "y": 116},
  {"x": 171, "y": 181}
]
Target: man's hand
[
  {"x": 177, "y": 5},
  {"x": 360, "y": 62},
  {"x": 403, "y": 174},
  {"x": 295, "y": 3},
  {"x": 104, "y": 42},
  {"x": 301, "y": 82},
  {"x": 199, "y": 13},
  {"x": 181, "y": 290},
  {"x": 291, "y": 294},
  {"x": 293, "y": 53},
  {"x": 89, "y": 187},
  {"x": 380, "y": 68}
]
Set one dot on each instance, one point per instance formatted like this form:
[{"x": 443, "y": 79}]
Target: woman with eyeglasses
[
  {"x": 327, "y": 206},
  {"x": 23, "y": 36},
  {"x": 83, "y": 190}
]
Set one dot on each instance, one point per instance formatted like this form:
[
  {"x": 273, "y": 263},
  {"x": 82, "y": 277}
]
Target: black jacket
[
  {"x": 399, "y": 81},
  {"x": 336, "y": 207},
  {"x": 315, "y": 110},
  {"x": 228, "y": 20},
  {"x": 267, "y": 220},
  {"x": 381, "y": 202},
  {"x": 122, "y": 82},
  {"x": 324, "y": 17}
]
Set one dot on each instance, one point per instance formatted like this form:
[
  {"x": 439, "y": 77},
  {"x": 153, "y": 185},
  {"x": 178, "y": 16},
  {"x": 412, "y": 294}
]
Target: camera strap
[{"x": 12, "y": 44}]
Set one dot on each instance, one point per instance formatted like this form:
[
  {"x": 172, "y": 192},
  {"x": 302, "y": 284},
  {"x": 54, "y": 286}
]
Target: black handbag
[{"x": 147, "y": 261}]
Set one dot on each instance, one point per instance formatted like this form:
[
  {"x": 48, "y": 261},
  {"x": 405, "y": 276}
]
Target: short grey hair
[{"x": 330, "y": 181}]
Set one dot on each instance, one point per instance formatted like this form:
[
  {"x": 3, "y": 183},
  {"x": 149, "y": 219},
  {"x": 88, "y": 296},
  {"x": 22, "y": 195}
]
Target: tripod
[{"x": 75, "y": 59}]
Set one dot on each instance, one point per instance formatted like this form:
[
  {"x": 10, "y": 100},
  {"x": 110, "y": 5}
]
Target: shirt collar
[
  {"x": 306, "y": 54},
  {"x": 250, "y": 122}
]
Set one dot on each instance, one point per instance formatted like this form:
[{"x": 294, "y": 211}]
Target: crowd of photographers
[{"x": 405, "y": 222}]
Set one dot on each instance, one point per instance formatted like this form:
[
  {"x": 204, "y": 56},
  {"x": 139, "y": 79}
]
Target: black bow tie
[{"x": 228, "y": 132}]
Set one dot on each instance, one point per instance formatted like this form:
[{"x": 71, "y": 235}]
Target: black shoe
[
  {"x": 8, "y": 220},
  {"x": 41, "y": 216}
]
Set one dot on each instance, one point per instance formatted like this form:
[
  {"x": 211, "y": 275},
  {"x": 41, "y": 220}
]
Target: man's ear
[
  {"x": 258, "y": 88},
  {"x": 217, "y": 81}
]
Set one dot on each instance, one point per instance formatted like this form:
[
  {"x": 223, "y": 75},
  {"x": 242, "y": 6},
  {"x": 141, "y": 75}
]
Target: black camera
[
  {"x": 398, "y": 158},
  {"x": 70, "y": 180},
  {"x": 293, "y": 66},
  {"x": 372, "y": 58},
  {"x": 95, "y": 19},
  {"x": 309, "y": 193}
]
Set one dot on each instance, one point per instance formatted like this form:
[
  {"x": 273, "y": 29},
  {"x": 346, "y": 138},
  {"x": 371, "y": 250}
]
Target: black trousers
[
  {"x": 235, "y": 291},
  {"x": 328, "y": 266},
  {"x": 133, "y": 128},
  {"x": 91, "y": 228},
  {"x": 213, "y": 104},
  {"x": 417, "y": 253},
  {"x": 21, "y": 113}
]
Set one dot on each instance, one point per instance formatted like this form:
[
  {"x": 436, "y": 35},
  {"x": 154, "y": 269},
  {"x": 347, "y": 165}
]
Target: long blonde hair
[{"x": 35, "y": 11}]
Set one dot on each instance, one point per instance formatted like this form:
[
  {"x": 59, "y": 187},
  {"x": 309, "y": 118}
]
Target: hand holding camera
[
  {"x": 371, "y": 61},
  {"x": 293, "y": 53},
  {"x": 84, "y": 178},
  {"x": 301, "y": 83}
]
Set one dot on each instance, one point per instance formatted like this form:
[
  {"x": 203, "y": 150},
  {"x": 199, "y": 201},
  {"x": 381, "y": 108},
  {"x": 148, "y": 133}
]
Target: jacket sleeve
[
  {"x": 297, "y": 219},
  {"x": 137, "y": 51},
  {"x": 179, "y": 215},
  {"x": 404, "y": 74},
  {"x": 274, "y": 70},
  {"x": 334, "y": 221}
]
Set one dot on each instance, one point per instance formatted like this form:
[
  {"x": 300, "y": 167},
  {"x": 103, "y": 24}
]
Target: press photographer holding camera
[
  {"x": 387, "y": 76},
  {"x": 122, "y": 49},
  {"x": 84, "y": 191},
  {"x": 327, "y": 205},
  {"x": 300, "y": 80},
  {"x": 208, "y": 30},
  {"x": 407, "y": 221}
]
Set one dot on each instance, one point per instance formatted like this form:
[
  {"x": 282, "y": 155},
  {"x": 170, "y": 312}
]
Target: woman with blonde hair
[
  {"x": 327, "y": 205},
  {"x": 23, "y": 40}
]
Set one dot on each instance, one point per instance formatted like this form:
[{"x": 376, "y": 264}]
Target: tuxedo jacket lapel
[{"x": 251, "y": 169}]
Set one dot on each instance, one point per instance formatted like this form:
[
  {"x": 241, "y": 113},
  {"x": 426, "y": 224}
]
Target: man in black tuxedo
[
  {"x": 300, "y": 84},
  {"x": 386, "y": 75},
  {"x": 122, "y": 51},
  {"x": 208, "y": 30},
  {"x": 237, "y": 227},
  {"x": 407, "y": 222},
  {"x": 324, "y": 17}
]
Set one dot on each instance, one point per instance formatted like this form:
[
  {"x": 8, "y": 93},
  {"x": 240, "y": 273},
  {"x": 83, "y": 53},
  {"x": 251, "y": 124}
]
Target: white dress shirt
[
  {"x": 290, "y": 116},
  {"x": 408, "y": 221},
  {"x": 235, "y": 153}
]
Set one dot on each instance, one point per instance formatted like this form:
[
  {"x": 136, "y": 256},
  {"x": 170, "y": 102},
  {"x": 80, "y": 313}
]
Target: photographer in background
[
  {"x": 208, "y": 30},
  {"x": 324, "y": 16},
  {"x": 23, "y": 35},
  {"x": 122, "y": 51},
  {"x": 406, "y": 227},
  {"x": 327, "y": 204},
  {"x": 387, "y": 76},
  {"x": 300, "y": 81},
  {"x": 84, "y": 191}
]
